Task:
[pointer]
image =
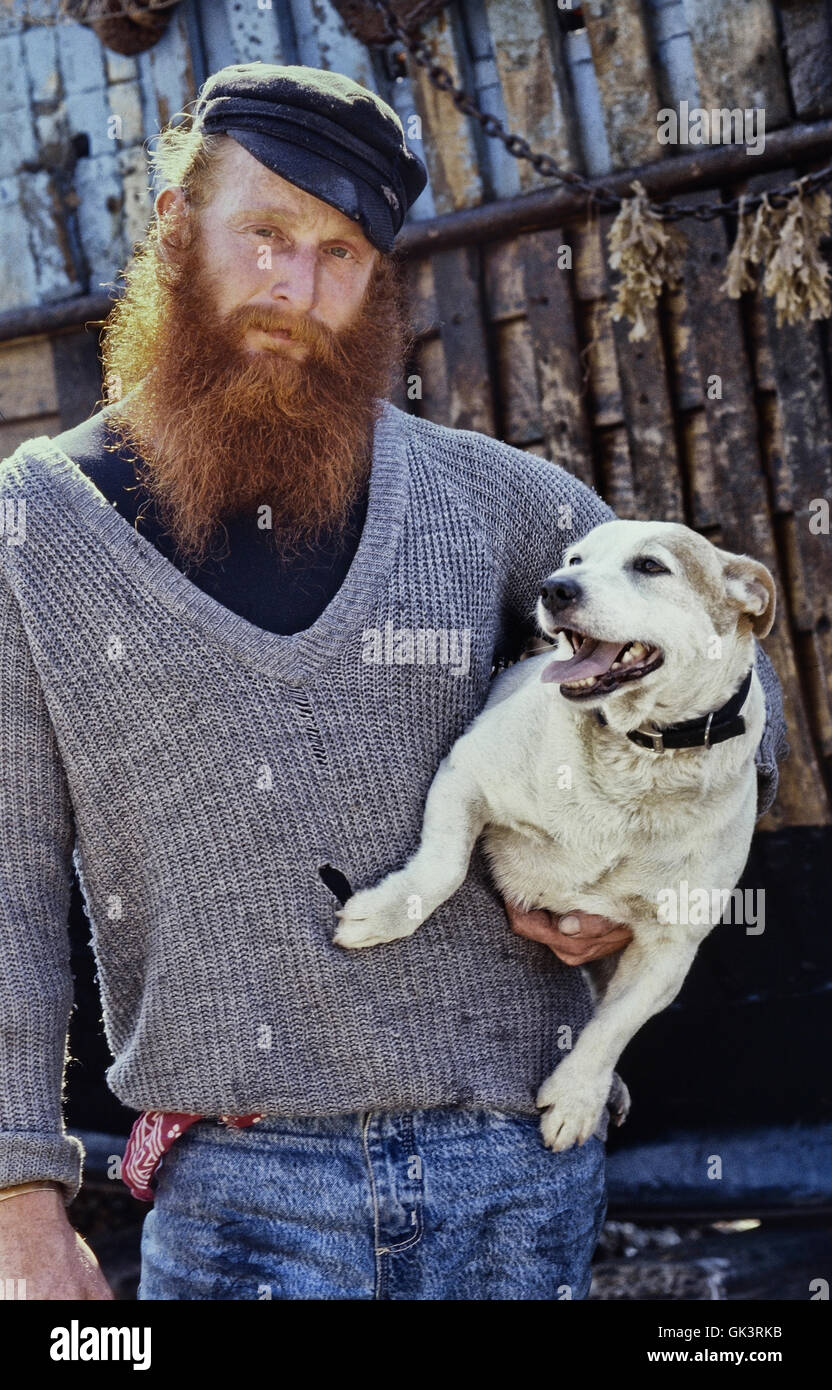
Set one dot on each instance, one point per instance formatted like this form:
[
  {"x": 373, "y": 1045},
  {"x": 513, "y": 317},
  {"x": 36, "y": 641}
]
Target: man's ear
[
  {"x": 172, "y": 217},
  {"x": 750, "y": 587}
]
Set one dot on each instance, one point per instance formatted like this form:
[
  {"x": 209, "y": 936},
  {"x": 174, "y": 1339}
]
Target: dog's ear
[{"x": 750, "y": 586}]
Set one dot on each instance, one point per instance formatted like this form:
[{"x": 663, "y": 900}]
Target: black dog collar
[{"x": 707, "y": 729}]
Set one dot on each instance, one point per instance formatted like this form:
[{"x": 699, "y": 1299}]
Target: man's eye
[
  {"x": 346, "y": 252},
  {"x": 264, "y": 231},
  {"x": 646, "y": 564}
]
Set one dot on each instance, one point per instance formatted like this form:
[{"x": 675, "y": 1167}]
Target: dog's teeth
[
  {"x": 633, "y": 652},
  {"x": 616, "y": 664}
]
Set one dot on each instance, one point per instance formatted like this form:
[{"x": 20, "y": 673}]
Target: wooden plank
[
  {"x": 647, "y": 409},
  {"x": 517, "y": 384},
  {"x": 57, "y": 275},
  {"x": 398, "y": 393},
  {"x": 746, "y": 524},
  {"x": 252, "y": 32},
  {"x": 81, "y": 57},
  {"x": 617, "y": 487},
  {"x": 729, "y": 404},
  {"x": 18, "y": 274},
  {"x": 527, "y": 52},
  {"x": 705, "y": 512},
  {"x": 166, "y": 75},
  {"x": 504, "y": 279},
  {"x": 802, "y": 798},
  {"x": 794, "y": 570},
  {"x": 17, "y": 431},
  {"x": 541, "y": 385},
  {"x": 672, "y": 53},
  {"x": 589, "y": 113},
  {"x": 19, "y": 145},
  {"x": 138, "y": 201},
  {"x": 435, "y": 401},
  {"x": 83, "y": 112},
  {"x": 219, "y": 44},
  {"x": 803, "y": 397},
  {"x": 588, "y": 266},
  {"x": 324, "y": 41},
  {"x": 556, "y": 352},
  {"x": 423, "y": 313},
  {"x": 756, "y": 322},
  {"x": 642, "y": 371},
  {"x": 778, "y": 467},
  {"x": 807, "y": 42},
  {"x": 120, "y": 68},
  {"x": 27, "y": 380},
  {"x": 77, "y": 375},
  {"x": 817, "y": 675},
  {"x": 40, "y": 66},
  {"x": 805, "y": 417},
  {"x": 606, "y": 403},
  {"x": 125, "y": 102},
  {"x": 736, "y": 55},
  {"x": 620, "y": 48},
  {"x": 688, "y": 378},
  {"x": 449, "y": 147},
  {"x": 100, "y": 213},
  {"x": 456, "y": 274}
]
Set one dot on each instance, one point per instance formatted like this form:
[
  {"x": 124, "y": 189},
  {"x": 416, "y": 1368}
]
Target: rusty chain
[{"x": 598, "y": 193}]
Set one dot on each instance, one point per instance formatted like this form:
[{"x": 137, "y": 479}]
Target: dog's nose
[{"x": 559, "y": 593}]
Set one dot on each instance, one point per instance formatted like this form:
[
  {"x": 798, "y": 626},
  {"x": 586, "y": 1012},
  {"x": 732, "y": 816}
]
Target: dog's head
[{"x": 637, "y": 608}]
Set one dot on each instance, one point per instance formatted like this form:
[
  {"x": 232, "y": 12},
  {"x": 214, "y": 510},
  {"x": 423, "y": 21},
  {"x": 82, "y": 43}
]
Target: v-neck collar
[{"x": 294, "y": 657}]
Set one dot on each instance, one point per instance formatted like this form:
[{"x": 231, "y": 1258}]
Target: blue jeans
[{"x": 443, "y": 1203}]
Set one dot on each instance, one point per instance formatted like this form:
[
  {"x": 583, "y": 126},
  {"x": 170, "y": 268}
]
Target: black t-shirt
[{"x": 278, "y": 595}]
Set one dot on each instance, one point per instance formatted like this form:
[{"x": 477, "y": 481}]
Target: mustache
[{"x": 303, "y": 330}]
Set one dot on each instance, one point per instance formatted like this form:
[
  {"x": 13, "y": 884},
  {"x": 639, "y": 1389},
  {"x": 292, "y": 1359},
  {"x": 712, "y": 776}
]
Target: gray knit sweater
[{"x": 198, "y": 771}]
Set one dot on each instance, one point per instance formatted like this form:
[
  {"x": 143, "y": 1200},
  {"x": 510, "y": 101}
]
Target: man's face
[
  {"x": 277, "y": 251},
  {"x": 257, "y": 333}
]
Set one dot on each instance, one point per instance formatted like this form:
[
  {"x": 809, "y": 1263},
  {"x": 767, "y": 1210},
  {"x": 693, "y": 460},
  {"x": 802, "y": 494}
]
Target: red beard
[{"x": 220, "y": 431}]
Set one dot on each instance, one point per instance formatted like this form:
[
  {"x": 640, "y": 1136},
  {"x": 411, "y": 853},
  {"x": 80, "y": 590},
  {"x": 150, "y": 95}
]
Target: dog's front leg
[
  {"x": 646, "y": 980},
  {"x": 454, "y": 816}
]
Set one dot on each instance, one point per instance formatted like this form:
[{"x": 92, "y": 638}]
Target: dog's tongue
[{"x": 591, "y": 659}]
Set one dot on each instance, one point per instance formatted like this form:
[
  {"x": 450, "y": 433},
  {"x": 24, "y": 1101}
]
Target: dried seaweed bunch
[
  {"x": 647, "y": 252},
  {"x": 754, "y": 239},
  {"x": 786, "y": 242}
]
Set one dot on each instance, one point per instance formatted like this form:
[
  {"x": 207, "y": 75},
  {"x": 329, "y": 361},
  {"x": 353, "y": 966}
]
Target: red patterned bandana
[{"x": 152, "y": 1135}]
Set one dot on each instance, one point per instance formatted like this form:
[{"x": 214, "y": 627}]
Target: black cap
[{"x": 320, "y": 130}]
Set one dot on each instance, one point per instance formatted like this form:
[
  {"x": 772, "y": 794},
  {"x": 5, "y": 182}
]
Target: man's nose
[
  {"x": 297, "y": 286},
  {"x": 558, "y": 594}
]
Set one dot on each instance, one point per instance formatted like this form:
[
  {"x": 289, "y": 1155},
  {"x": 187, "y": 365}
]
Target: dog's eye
[
  {"x": 645, "y": 564},
  {"x": 575, "y": 560}
]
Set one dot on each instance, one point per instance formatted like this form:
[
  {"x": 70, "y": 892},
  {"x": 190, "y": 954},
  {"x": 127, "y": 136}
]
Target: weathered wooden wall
[{"x": 509, "y": 342}]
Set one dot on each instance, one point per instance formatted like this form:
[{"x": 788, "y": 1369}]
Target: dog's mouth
[{"x": 599, "y": 667}]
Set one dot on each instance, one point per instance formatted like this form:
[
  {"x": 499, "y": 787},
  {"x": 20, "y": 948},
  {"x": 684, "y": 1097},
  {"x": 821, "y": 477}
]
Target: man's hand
[
  {"x": 38, "y": 1244},
  {"x": 575, "y": 937}
]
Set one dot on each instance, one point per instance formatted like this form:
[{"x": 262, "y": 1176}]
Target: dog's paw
[
  {"x": 618, "y": 1101},
  {"x": 573, "y": 1104},
  {"x": 371, "y": 918}
]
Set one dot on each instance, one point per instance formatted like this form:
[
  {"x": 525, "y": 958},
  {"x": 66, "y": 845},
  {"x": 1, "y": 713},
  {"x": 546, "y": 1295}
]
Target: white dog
[{"x": 582, "y": 803}]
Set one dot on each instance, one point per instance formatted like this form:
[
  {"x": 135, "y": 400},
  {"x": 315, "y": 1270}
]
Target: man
[{"x": 210, "y": 703}]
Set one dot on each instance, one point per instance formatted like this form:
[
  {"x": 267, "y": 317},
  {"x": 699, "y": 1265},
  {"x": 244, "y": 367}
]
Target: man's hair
[{"x": 185, "y": 156}]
